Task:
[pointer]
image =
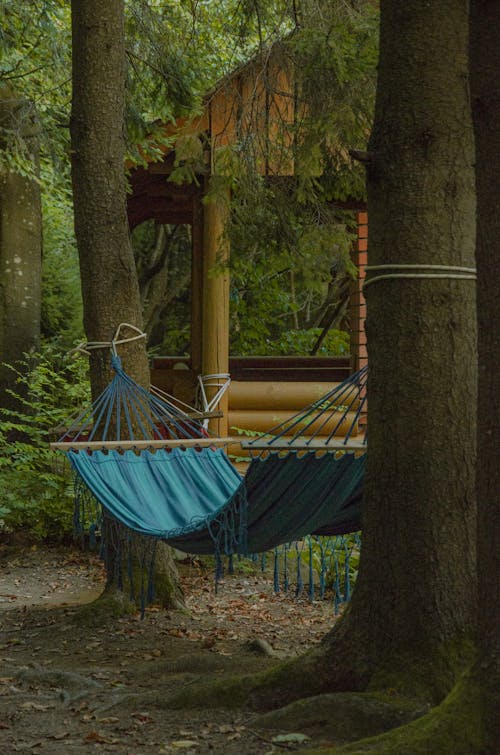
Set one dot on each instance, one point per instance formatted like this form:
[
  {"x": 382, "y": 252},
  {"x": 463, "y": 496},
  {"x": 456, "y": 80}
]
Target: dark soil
[{"x": 66, "y": 688}]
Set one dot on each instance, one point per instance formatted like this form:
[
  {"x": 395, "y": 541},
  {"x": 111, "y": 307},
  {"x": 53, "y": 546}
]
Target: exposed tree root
[
  {"x": 342, "y": 717},
  {"x": 341, "y": 664},
  {"x": 452, "y": 728},
  {"x": 266, "y": 690}
]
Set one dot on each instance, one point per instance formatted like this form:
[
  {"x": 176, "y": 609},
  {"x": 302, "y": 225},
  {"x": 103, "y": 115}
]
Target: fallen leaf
[
  {"x": 95, "y": 736},
  {"x": 142, "y": 717},
  {"x": 289, "y": 738},
  {"x": 208, "y": 642},
  {"x": 57, "y": 737},
  {"x": 34, "y": 706},
  {"x": 183, "y": 744}
]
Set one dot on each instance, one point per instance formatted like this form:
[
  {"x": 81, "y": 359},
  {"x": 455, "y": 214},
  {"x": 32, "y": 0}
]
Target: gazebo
[{"x": 258, "y": 97}]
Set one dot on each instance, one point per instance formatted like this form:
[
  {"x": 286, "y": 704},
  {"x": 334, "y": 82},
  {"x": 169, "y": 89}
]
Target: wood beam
[
  {"x": 215, "y": 349},
  {"x": 197, "y": 287}
]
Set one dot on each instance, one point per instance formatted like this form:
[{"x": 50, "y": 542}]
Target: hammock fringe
[{"x": 194, "y": 499}]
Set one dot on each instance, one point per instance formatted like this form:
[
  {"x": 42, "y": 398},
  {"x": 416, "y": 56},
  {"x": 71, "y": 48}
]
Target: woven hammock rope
[{"x": 143, "y": 465}]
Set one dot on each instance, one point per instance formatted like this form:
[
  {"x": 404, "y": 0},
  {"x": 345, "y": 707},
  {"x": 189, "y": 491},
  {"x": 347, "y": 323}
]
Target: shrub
[{"x": 36, "y": 489}]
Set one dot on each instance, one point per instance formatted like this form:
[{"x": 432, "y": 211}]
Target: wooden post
[
  {"x": 359, "y": 356},
  {"x": 215, "y": 347},
  {"x": 197, "y": 286}
]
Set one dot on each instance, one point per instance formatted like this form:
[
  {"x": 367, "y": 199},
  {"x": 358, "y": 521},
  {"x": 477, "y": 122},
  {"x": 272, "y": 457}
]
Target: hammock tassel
[
  {"x": 276, "y": 571},
  {"x": 311, "y": 571}
]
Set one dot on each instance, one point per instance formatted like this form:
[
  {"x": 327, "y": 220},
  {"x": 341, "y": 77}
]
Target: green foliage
[
  {"x": 61, "y": 317},
  {"x": 36, "y": 491},
  {"x": 300, "y": 342},
  {"x": 35, "y": 67},
  {"x": 189, "y": 157},
  {"x": 166, "y": 308},
  {"x": 331, "y": 554},
  {"x": 285, "y": 233},
  {"x": 282, "y": 256},
  {"x": 335, "y": 49}
]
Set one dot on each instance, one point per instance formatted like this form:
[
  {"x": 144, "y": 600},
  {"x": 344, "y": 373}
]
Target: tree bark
[
  {"x": 20, "y": 247},
  {"x": 410, "y": 623},
  {"x": 109, "y": 279},
  {"x": 414, "y": 604},
  {"x": 485, "y": 90}
]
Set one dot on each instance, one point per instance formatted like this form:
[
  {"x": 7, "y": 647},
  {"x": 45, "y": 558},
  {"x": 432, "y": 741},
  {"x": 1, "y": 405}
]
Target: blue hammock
[{"x": 192, "y": 496}]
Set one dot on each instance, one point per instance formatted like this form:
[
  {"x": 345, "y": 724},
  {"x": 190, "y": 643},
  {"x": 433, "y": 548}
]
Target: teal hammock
[{"x": 154, "y": 470}]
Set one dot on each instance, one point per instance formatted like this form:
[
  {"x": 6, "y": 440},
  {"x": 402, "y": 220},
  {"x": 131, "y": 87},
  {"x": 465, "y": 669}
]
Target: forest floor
[{"x": 67, "y": 689}]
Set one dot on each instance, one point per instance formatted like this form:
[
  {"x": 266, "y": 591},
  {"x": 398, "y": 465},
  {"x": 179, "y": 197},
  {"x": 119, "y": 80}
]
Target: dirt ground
[{"x": 67, "y": 689}]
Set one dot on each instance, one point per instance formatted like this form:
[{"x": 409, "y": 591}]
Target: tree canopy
[{"x": 176, "y": 54}]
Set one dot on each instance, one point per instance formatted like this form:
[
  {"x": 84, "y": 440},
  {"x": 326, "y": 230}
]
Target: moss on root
[
  {"x": 342, "y": 716},
  {"x": 221, "y": 693},
  {"x": 425, "y": 681},
  {"x": 452, "y": 728},
  {"x": 167, "y": 593},
  {"x": 429, "y": 676},
  {"x": 112, "y": 604},
  {"x": 265, "y": 690}
]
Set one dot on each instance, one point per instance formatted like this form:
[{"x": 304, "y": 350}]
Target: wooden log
[
  {"x": 277, "y": 395},
  {"x": 263, "y": 421},
  {"x": 180, "y": 383}
]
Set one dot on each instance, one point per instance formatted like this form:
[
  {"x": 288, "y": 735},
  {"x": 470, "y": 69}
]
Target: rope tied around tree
[
  {"x": 87, "y": 346},
  {"x": 450, "y": 272}
]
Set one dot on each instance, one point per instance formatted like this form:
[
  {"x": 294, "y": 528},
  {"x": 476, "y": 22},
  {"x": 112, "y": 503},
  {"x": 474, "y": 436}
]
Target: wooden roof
[{"x": 257, "y": 98}]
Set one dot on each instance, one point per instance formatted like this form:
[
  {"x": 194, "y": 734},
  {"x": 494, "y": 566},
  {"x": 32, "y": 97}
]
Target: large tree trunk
[
  {"x": 109, "y": 279},
  {"x": 413, "y": 611},
  {"x": 410, "y": 623},
  {"x": 20, "y": 247},
  {"x": 485, "y": 90},
  {"x": 414, "y": 603}
]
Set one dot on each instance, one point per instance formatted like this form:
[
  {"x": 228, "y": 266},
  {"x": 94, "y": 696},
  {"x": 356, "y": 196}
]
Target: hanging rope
[
  {"x": 219, "y": 382},
  {"x": 87, "y": 346}
]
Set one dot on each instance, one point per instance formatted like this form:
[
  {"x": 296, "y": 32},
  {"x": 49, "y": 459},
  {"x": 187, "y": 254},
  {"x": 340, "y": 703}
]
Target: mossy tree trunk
[
  {"x": 485, "y": 90},
  {"x": 413, "y": 607},
  {"x": 108, "y": 274},
  {"x": 20, "y": 244},
  {"x": 409, "y": 626}
]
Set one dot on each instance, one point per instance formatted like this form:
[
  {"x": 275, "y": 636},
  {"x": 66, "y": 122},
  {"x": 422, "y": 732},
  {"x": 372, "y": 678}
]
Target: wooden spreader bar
[
  {"x": 303, "y": 444},
  {"x": 124, "y": 445}
]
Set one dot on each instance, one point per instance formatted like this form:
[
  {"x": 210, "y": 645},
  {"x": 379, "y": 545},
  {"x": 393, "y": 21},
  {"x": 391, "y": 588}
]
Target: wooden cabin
[{"x": 258, "y": 98}]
